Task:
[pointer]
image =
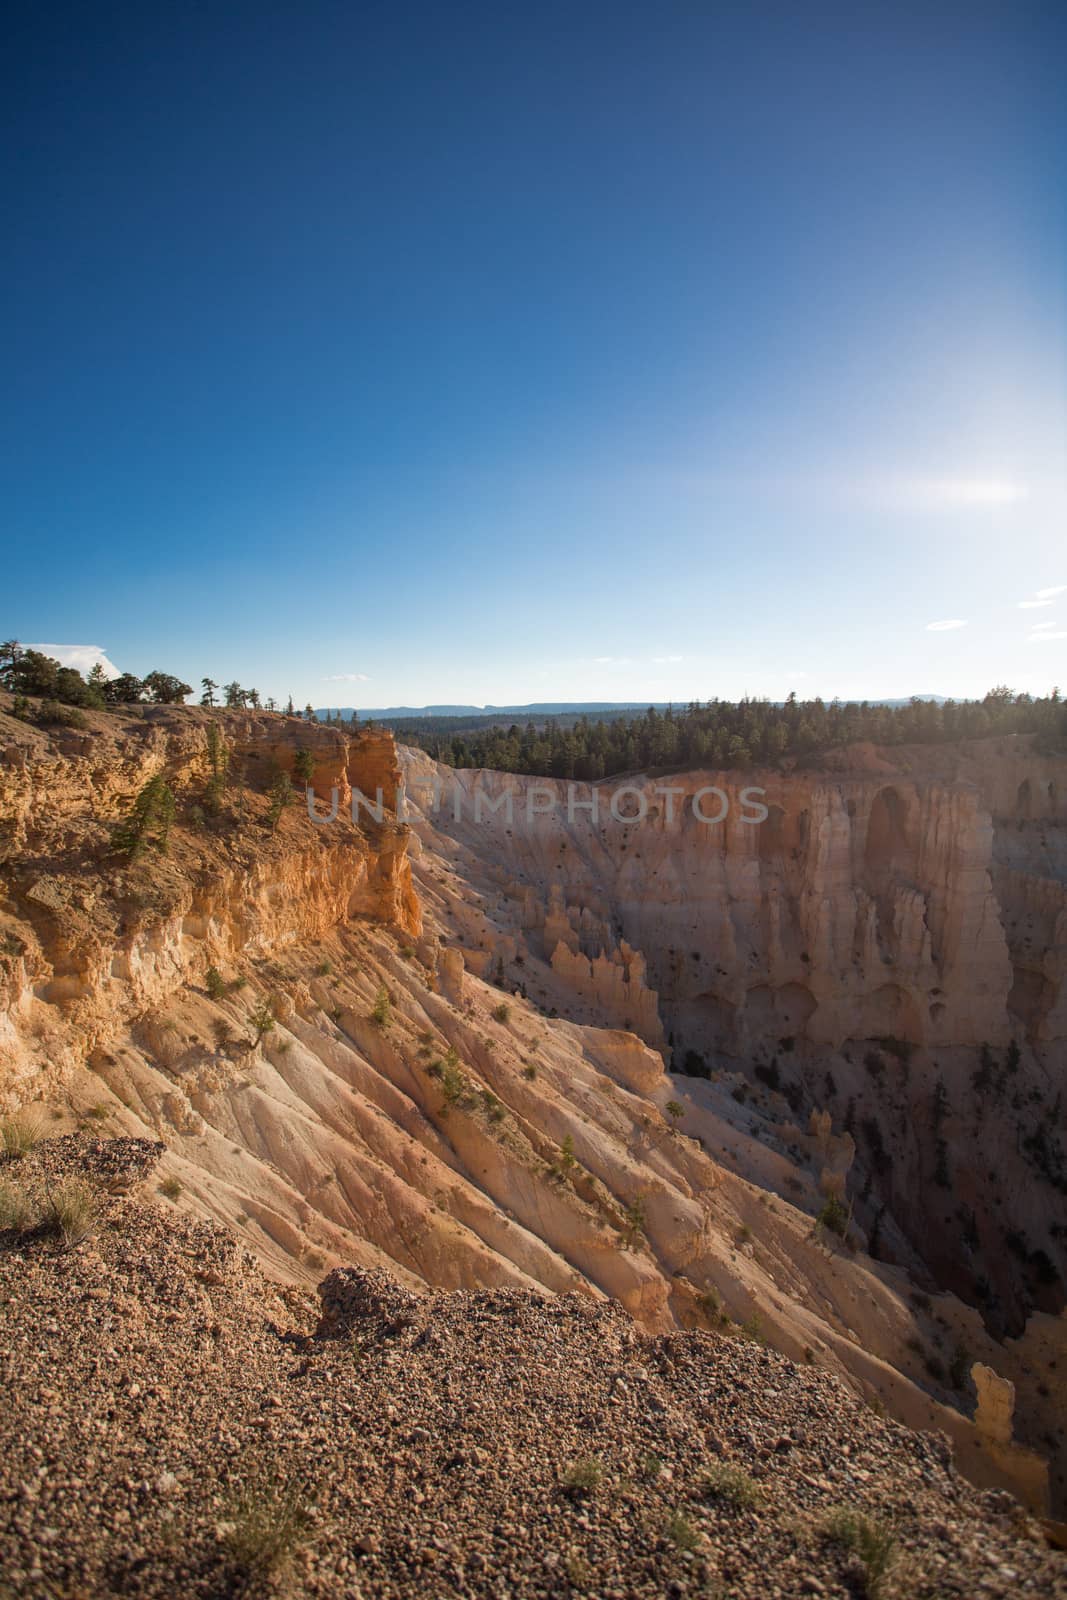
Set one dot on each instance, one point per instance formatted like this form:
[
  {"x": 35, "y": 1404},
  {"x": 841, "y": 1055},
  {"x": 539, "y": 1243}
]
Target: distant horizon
[
  {"x": 588, "y": 707},
  {"x": 85, "y": 657}
]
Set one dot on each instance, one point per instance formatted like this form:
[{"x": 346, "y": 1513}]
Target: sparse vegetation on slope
[{"x": 277, "y": 1460}]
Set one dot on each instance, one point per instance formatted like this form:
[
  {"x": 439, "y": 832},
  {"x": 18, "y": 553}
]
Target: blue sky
[{"x": 394, "y": 354}]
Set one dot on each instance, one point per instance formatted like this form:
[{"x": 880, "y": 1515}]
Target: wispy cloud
[
  {"x": 662, "y": 660},
  {"x": 83, "y": 657},
  {"x": 346, "y": 677},
  {"x": 1035, "y": 638},
  {"x": 1049, "y": 594},
  {"x": 1033, "y": 605},
  {"x": 943, "y": 627}
]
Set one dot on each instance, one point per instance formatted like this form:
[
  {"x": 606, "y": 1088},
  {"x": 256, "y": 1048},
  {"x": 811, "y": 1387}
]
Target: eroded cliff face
[
  {"x": 90, "y": 937},
  {"x": 867, "y": 904},
  {"x": 496, "y": 1118}
]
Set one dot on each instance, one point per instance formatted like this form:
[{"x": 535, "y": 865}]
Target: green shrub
[
  {"x": 502, "y": 1012},
  {"x": 493, "y": 1108},
  {"x": 681, "y": 1531},
  {"x": 51, "y": 713},
  {"x": 261, "y": 1018},
  {"x": 834, "y": 1216},
  {"x": 453, "y": 1083},
  {"x": 732, "y": 1484},
  {"x": 215, "y": 983},
  {"x": 634, "y": 1219},
  {"x": 382, "y": 1011},
  {"x": 583, "y": 1476},
  {"x": 171, "y": 1188}
]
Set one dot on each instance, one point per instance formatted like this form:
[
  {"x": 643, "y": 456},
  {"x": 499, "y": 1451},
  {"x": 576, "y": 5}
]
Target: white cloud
[
  {"x": 662, "y": 660},
  {"x": 943, "y": 627},
  {"x": 346, "y": 677},
  {"x": 612, "y": 661},
  {"x": 1047, "y": 594},
  {"x": 1033, "y": 605},
  {"x": 1034, "y": 638},
  {"x": 1034, "y": 626},
  {"x": 83, "y": 657}
]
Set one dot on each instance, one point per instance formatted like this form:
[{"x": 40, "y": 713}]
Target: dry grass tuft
[
  {"x": 872, "y": 1543},
  {"x": 19, "y": 1134},
  {"x": 265, "y": 1529},
  {"x": 14, "y": 1208},
  {"x": 71, "y": 1211}
]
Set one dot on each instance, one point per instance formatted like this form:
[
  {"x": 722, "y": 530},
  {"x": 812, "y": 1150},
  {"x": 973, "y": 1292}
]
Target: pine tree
[
  {"x": 10, "y": 652},
  {"x": 125, "y": 690},
  {"x": 165, "y": 689},
  {"x": 209, "y": 686},
  {"x": 97, "y": 686},
  {"x": 153, "y": 809},
  {"x": 281, "y": 792},
  {"x": 218, "y": 756},
  {"x": 262, "y": 1020}
]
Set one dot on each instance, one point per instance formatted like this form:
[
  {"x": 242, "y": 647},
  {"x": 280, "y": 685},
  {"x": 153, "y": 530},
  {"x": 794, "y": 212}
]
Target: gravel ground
[{"x": 173, "y": 1424}]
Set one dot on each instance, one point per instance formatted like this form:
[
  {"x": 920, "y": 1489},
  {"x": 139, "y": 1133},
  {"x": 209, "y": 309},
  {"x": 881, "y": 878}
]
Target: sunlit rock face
[{"x": 90, "y": 936}]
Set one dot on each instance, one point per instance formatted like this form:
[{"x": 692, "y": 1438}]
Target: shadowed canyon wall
[{"x": 924, "y": 900}]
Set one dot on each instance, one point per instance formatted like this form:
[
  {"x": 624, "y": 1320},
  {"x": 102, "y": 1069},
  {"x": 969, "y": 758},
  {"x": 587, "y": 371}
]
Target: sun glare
[{"x": 976, "y": 492}]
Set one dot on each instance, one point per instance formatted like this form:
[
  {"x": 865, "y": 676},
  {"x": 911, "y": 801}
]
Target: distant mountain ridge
[{"x": 545, "y": 708}]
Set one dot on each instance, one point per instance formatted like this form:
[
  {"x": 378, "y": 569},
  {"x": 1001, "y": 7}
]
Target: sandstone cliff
[{"x": 436, "y": 1090}]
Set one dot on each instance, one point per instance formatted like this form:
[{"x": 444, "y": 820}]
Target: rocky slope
[
  {"x": 437, "y": 1093},
  {"x": 175, "y": 1425}
]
